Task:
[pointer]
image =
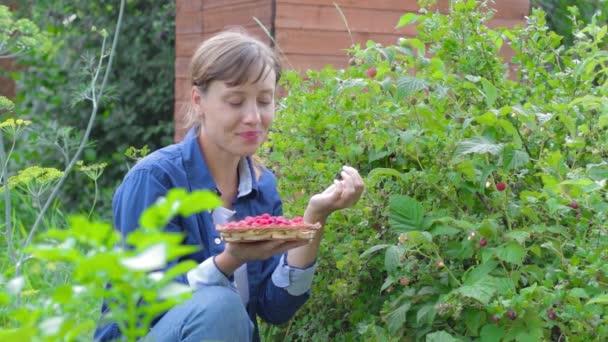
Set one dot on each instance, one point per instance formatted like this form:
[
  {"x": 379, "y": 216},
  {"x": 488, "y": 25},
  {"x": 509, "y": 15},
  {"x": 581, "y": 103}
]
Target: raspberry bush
[{"x": 468, "y": 230}]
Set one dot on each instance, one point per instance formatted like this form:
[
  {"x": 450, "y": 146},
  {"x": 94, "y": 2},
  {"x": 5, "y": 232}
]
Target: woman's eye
[
  {"x": 264, "y": 101},
  {"x": 235, "y": 103}
]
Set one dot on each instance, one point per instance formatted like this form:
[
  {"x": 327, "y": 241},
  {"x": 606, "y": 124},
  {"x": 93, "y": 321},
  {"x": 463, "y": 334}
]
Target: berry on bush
[
  {"x": 371, "y": 72},
  {"x": 574, "y": 205},
  {"x": 551, "y": 314},
  {"x": 512, "y": 315},
  {"x": 501, "y": 186},
  {"x": 483, "y": 242}
]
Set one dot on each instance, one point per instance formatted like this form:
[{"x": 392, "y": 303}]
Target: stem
[
  {"x": 7, "y": 202},
  {"x": 85, "y": 138},
  {"x": 94, "y": 198}
]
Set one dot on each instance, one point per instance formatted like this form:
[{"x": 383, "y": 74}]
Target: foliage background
[{"x": 138, "y": 110}]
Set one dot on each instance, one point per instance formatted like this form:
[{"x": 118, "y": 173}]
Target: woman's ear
[{"x": 196, "y": 97}]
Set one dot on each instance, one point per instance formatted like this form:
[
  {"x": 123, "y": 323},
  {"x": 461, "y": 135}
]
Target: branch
[{"x": 7, "y": 202}]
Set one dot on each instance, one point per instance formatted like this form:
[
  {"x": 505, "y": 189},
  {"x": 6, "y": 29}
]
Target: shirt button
[{"x": 217, "y": 240}]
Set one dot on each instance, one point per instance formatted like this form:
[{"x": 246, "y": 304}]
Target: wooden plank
[
  {"x": 218, "y": 18},
  {"x": 208, "y": 4},
  {"x": 304, "y": 62},
  {"x": 330, "y": 43},
  {"x": 189, "y": 22},
  {"x": 182, "y": 89},
  {"x": 181, "y": 67},
  {"x": 505, "y": 8},
  {"x": 297, "y": 16},
  {"x": 184, "y": 6},
  {"x": 403, "y": 5}
]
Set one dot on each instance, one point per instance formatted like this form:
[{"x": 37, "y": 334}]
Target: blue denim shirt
[{"x": 182, "y": 165}]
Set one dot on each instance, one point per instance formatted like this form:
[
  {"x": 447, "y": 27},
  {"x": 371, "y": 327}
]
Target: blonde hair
[{"x": 229, "y": 56}]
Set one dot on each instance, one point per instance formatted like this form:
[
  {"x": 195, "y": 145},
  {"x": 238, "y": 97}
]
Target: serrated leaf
[
  {"x": 479, "y": 272},
  {"x": 406, "y": 19},
  {"x": 408, "y": 85},
  {"x": 440, "y": 336},
  {"x": 173, "y": 289},
  {"x": 373, "y": 249},
  {"x": 512, "y": 253},
  {"x": 152, "y": 258},
  {"x": 396, "y": 318},
  {"x": 490, "y": 92},
  {"x": 521, "y": 236},
  {"x": 387, "y": 283},
  {"x": 491, "y": 333},
  {"x": 405, "y": 213},
  {"x": 426, "y": 314},
  {"x": 479, "y": 145},
  {"x": 482, "y": 290},
  {"x": 392, "y": 258},
  {"x": 179, "y": 269},
  {"x": 442, "y": 230},
  {"x": 473, "y": 318},
  {"x": 488, "y": 119},
  {"x": 519, "y": 159},
  {"x": 601, "y": 299},
  {"x": 198, "y": 201},
  {"x": 578, "y": 293}
]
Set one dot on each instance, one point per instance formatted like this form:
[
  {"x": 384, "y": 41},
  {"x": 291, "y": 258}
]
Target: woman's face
[{"x": 237, "y": 119}]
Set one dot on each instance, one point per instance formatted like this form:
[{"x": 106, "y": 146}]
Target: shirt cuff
[
  {"x": 207, "y": 273},
  {"x": 296, "y": 281}
]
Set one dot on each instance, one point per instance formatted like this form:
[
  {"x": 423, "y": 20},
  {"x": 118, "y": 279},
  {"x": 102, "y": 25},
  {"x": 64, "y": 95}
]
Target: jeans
[{"x": 214, "y": 313}]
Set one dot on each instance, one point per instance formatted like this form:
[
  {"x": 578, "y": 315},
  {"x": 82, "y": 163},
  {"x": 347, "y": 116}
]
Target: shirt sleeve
[
  {"x": 296, "y": 281},
  {"x": 207, "y": 273}
]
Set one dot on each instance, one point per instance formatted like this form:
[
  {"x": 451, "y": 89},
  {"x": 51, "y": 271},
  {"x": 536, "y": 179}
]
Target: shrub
[{"x": 486, "y": 187}]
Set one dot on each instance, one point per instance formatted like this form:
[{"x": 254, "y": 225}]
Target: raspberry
[
  {"x": 574, "y": 205},
  {"x": 551, "y": 314},
  {"x": 512, "y": 315},
  {"x": 501, "y": 186},
  {"x": 483, "y": 242},
  {"x": 371, "y": 72}
]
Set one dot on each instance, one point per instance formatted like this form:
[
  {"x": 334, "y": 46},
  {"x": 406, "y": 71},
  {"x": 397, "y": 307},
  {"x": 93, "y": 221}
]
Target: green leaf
[
  {"x": 426, "y": 314},
  {"x": 482, "y": 290},
  {"x": 442, "y": 230},
  {"x": 406, "y": 19},
  {"x": 473, "y": 318},
  {"x": 150, "y": 259},
  {"x": 441, "y": 336},
  {"x": 396, "y": 318},
  {"x": 174, "y": 289},
  {"x": 601, "y": 299},
  {"x": 198, "y": 201},
  {"x": 512, "y": 253},
  {"x": 179, "y": 269},
  {"x": 392, "y": 258},
  {"x": 490, "y": 92},
  {"x": 479, "y": 272},
  {"x": 387, "y": 283},
  {"x": 521, "y": 236},
  {"x": 488, "y": 119},
  {"x": 63, "y": 294},
  {"x": 478, "y": 145},
  {"x": 405, "y": 213},
  {"x": 578, "y": 292},
  {"x": 408, "y": 85},
  {"x": 373, "y": 249},
  {"x": 491, "y": 333}
]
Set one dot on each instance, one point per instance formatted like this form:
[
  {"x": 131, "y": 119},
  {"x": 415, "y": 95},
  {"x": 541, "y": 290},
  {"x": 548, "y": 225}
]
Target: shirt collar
[{"x": 198, "y": 173}]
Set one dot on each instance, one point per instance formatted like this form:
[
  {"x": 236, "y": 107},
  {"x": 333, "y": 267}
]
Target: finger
[
  {"x": 358, "y": 181},
  {"x": 287, "y": 245},
  {"x": 349, "y": 185}
]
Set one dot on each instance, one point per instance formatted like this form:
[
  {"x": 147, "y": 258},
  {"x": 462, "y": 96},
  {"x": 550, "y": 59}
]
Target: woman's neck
[{"x": 223, "y": 167}]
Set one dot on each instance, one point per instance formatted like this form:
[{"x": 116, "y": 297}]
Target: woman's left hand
[{"x": 342, "y": 194}]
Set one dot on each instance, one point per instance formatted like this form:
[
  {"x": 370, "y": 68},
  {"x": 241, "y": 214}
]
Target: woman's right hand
[{"x": 237, "y": 253}]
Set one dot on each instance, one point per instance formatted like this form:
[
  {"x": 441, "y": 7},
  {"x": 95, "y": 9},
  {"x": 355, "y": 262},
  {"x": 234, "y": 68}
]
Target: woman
[{"x": 234, "y": 78}]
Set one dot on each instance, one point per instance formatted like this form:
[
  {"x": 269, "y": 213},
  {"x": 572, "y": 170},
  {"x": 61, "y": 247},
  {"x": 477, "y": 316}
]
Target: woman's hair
[{"x": 230, "y": 56}]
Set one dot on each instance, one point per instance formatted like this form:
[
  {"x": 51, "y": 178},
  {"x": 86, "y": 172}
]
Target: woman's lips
[{"x": 250, "y": 135}]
